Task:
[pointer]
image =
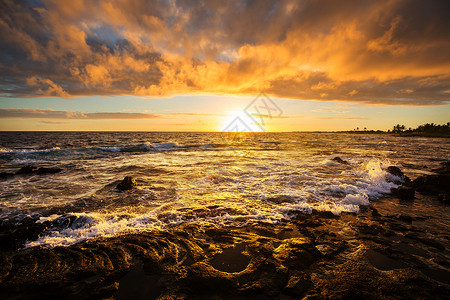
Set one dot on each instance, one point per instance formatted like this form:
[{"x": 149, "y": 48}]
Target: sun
[{"x": 239, "y": 121}]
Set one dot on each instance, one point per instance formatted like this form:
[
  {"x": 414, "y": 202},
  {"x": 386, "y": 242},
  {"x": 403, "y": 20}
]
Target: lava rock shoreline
[{"x": 320, "y": 256}]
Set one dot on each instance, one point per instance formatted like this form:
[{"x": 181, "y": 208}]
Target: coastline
[
  {"x": 391, "y": 248},
  {"x": 320, "y": 256}
]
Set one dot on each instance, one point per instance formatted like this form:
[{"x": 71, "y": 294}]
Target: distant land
[{"x": 425, "y": 130}]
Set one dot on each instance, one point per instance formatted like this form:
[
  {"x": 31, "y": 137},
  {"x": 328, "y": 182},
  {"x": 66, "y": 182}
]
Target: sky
[{"x": 174, "y": 65}]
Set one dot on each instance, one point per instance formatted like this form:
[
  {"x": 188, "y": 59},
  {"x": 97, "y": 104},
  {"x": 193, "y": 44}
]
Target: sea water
[{"x": 197, "y": 177}]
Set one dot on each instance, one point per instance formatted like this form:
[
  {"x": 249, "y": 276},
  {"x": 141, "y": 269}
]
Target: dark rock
[
  {"x": 432, "y": 243},
  {"x": 41, "y": 171},
  {"x": 432, "y": 184},
  {"x": 384, "y": 262},
  {"x": 393, "y": 170},
  {"x": 4, "y": 175},
  {"x": 324, "y": 214},
  {"x": 27, "y": 170},
  {"x": 297, "y": 253},
  {"x": 127, "y": 184},
  {"x": 297, "y": 285},
  {"x": 405, "y": 218},
  {"x": 231, "y": 259},
  {"x": 340, "y": 160},
  {"x": 14, "y": 236},
  {"x": 375, "y": 212},
  {"x": 35, "y": 170},
  {"x": 405, "y": 193},
  {"x": 65, "y": 221},
  {"x": 444, "y": 198}
]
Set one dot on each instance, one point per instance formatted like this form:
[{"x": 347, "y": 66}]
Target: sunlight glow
[{"x": 239, "y": 121}]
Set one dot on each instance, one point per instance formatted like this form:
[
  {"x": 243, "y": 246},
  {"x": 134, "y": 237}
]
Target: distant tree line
[{"x": 429, "y": 128}]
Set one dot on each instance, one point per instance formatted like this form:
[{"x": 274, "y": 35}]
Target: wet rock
[
  {"x": 324, "y": 214},
  {"x": 432, "y": 243},
  {"x": 5, "y": 267},
  {"x": 65, "y": 221},
  {"x": 42, "y": 171},
  {"x": 405, "y": 193},
  {"x": 383, "y": 262},
  {"x": 231, "y": 260},
  {"x": 30, "y": 169},
  {"x": 375, "y": 212},
  {"x": 14, "y": 236},
  {"x": 330, "y": 248},
  {"x": 202, "y": 277},
  {"x": 443, "y": 197},
  {"x": 340, "y": 160},
  {"x": 395, "y": 171},
  {"x": 405, "y": 218},
  {"x": 5, "y": 175},
  {"x": 432, "y": 184},
  {"x": 297, "y": 285},
  {"x": 297, "y": 253},
  {"x": 27, "y": 170},
  {"x": 426, "y": 241},
  {"x": 127, "y": 184}
]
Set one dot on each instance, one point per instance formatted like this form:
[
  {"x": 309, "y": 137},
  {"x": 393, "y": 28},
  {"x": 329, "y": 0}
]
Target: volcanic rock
[
  {"x": 127, "y": 184},
  {"x": 4, "y": 175},
  {"x": 432, "y": 184},
  {"x": 405, "y": 193},
  {"x": 27, "y": 170},
  {"x": 30, "y": 169},
  {"x": 393, "y": 170},
  {"x": 41, "y": 171},
  {"x": 340, "y": 160}
]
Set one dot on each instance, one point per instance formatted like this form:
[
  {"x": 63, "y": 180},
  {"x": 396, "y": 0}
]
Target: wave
[
  {"x": 5, "y": 150},
  {"x": 339, "y": 197},
  {"x": 130, "y": 148}
]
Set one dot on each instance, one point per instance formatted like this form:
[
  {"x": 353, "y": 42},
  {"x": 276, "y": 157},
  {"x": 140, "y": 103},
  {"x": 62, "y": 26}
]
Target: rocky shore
[{"x": 395, "y": 248}]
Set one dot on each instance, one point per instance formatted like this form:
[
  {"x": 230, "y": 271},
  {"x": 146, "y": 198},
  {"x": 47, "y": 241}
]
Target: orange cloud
[{"x": 370, "y": 51}]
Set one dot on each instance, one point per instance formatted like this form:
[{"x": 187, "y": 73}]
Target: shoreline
[{"x": 313, "y": 256}]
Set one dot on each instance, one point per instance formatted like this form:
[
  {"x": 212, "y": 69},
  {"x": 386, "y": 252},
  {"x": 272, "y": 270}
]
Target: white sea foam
[
  {"x": 109, "y": 149},
  {"x": 93, "y": 225},
  {"x": 358, "y": 199},
  {"x": 29, "y": 151},
  {"x": 167, "y": 145}
]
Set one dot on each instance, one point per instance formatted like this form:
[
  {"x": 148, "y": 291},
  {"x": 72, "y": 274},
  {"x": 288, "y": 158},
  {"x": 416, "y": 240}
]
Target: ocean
[
  {"x": 223, "y": 216},
  {"x": 186, "y": 177}
]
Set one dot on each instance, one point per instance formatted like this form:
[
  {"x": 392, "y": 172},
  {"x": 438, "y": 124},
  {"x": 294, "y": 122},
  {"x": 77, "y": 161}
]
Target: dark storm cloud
[{"x": 389, "y": 52}]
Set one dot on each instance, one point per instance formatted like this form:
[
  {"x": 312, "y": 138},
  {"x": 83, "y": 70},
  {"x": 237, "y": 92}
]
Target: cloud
[
  {"x": 79, "y": 115},
  {"x": 46, "y": 87},
  {"x": 54, "y": 114},
  {"x": 385, "y": 52},
  {"x": 53, "y": 122},
  {"x": 338, "y": 118},
  {"x": 327, "y": 110}
]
